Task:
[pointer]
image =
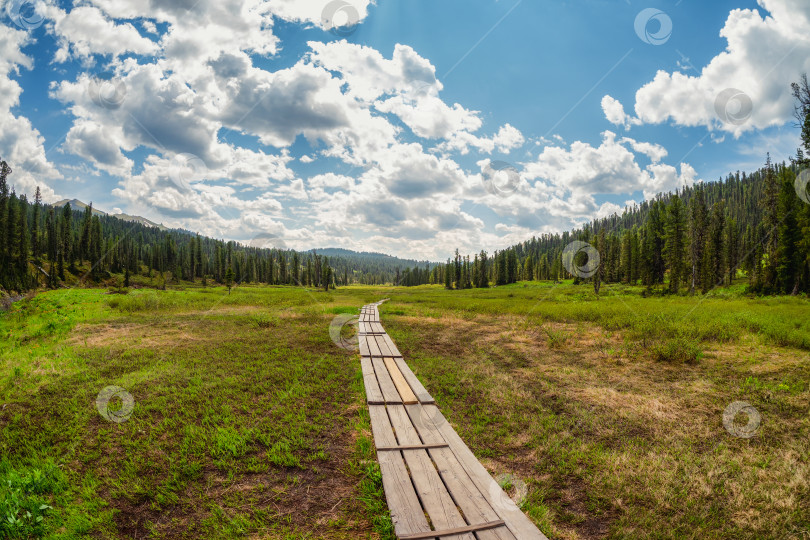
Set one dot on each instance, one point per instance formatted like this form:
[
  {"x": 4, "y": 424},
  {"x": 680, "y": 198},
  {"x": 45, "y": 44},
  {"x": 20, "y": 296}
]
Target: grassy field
[{"x": 248, "y": 421}]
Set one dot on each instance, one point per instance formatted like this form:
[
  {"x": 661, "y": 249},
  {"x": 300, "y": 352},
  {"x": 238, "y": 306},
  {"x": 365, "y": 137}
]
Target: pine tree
[
  {"x": 698, "y": 216},
  {"x": 789, "y": 253},
  {"x": 483, "y": 277},
  {"x": 771, "y": 222},
  {"x": 599, "y": 275},
  {"x": 675, "y": 243},
  {"x": 66, "y": 235},
  {"x": 36, "y": 247},
  {"x": 229, "y": 277},
  {"x": 457, "y": 270},
  {"x": 5, "y": 171}
]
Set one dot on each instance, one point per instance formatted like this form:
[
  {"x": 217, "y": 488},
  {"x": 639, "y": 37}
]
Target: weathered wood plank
[
  {"x": 446, "y": 532},
  {"x": 362, "y": 342},
  {"x": 381, "y": 343},
  {"x": 373, "y": 348},
  {"x": 429, "y": 487},
  {"x": 468, "y": 497},
  {"x": 381, "y": 426},
  {"x": 373, "y": 392},
  {"x": 403, "y": 503},
  {"x": 515, "y": 519},
  {"x": 391, "y": 346},
  {"x": 389, "y": 391},
  {"x": 411, "y": 447},
  {"x": 405, "y": 392},
  {"x": 421, "y": 394}
]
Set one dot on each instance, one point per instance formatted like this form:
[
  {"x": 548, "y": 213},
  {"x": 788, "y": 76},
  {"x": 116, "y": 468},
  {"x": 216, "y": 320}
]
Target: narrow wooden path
[{"x": 434, "y": 485}]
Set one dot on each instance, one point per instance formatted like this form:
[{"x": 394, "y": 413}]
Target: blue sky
[{"x": 425, "y": 127}]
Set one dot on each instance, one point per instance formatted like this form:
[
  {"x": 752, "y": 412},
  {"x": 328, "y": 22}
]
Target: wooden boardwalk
[{"x": 434, "y": 485}]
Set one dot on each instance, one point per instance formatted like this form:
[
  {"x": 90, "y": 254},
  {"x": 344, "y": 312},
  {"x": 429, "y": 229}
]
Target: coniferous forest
[
  {"x": 698, "y": 238},
  {"x": 48, "y": 246}
]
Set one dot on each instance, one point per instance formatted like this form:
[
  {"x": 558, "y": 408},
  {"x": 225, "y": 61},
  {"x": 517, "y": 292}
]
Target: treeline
[
  {"x": 42, "y": 245},
  {"x": 695, "y": 239}
]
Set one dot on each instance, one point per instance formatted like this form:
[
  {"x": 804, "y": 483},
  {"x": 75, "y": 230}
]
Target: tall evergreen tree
[{"x": 675, "y": 242}]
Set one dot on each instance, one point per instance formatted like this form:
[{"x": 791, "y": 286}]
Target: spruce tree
[
  {"x": 698, "y": 216},
  {"x": 36, "y": 247},
  {"x": 675, "y": 243}
]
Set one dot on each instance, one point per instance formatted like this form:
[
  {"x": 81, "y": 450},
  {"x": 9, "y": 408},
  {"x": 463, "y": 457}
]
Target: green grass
[
  {"x": 610, "y": 409},
  {"x": 241, "y": 414},
  {"x": 250, "y": 422}
]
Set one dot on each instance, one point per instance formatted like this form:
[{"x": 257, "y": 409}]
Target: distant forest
[
  {"x": 695, "y": 239},
  {"x": 42, "y": 245}
]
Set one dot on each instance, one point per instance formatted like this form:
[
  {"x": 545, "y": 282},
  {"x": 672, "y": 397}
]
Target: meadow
[{"x": 248, "y": 421}]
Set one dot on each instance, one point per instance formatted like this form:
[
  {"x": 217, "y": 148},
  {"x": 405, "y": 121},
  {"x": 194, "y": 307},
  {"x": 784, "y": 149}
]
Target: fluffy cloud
[
  {"x": 745, "y": 87},
  {"x": 610, "y": 168},
  {"x": 196, "y": 131},
  {"x": 614, "y": 112},
  {"x": 20, "y": 143},
  {"x": 86, "y": 31}
]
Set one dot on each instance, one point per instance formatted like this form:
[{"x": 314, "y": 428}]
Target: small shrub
[{"x": 677, "y": 351}]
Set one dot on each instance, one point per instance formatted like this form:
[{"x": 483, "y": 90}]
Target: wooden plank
[
  {"x": 381, "y": 426},
  {"x": 389, "y": 391},
  {"x": 403, "y": 503},
  {"x": 447, "y": 532},
  {"x": 507, "y": 510},
  {"x": 468, "y": 497},
  {"x": 363, "y": 327},
  {"x": 405, "y": 392},
  {"x": 362, "y": 342},
  {"x": 383, "y": 345},
  {"x": 429, "y": 486},
  {"x": 421, "y": 394},
  {"x": 393, "y": 348},
  {"x": 411, "y": 447},
  {"x": 373, "y": 348},
  {"x": 373, "y": 392}
]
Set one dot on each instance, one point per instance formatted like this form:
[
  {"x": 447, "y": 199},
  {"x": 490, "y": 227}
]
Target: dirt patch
[{"x": 131, "y": 335}]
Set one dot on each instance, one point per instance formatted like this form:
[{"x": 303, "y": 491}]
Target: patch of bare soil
[{"x": 129, "y": 335}]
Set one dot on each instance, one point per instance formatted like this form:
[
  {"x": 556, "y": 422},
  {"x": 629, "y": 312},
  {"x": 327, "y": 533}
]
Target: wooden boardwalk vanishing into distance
[{"x": 434, "y": 485}]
